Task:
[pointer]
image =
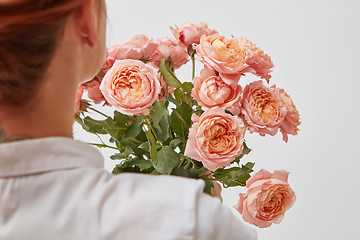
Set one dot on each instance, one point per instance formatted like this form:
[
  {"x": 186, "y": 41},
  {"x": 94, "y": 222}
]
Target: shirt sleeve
[{"x": 215, "y": 221}]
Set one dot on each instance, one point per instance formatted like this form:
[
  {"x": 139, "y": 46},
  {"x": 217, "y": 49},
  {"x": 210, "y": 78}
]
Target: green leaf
[
  {"x": 180, "y": 120},
  {"x": 95, "y": 126},
  {"x": 185, "y": 172},
  {"x": 130, "y": 142},
  {"x": 181, "y": 96},
  {"x": 249, "y": 165},
  {"x": 159, "y": 111},
  {"x": 187, "y": 87},
  {"x": 125, "y": 166},
  {"x": 135, "y": 128},
  {"x": 139, "y": 165},
  {"x": 164, "y": 132},
  {"x": 91, "y": 125},
  {"x": 235, "y": 176},
  {"x": 175, "y": 142},
  {"x": 143, "y": 164},
  {"x": 159, "y": 120},
  {"x": 245, "y": 151},
  {"x": 208, "y": 185},
  {"x": 202, "y": 170},
  {"x": 178, "y": 93},
  {"x": 120, "y": 118},
  {"x": 170, "y": 98},
  {"x": 168, "y": 75},
  {"x": 153, "y": 150},
  {"x": 80, "y": 121},
  {"x": 167, "y": 160},
  {"x": 116, "y": 129},
  {"x": 146, "y": 146},
  {"x": 123, "y": 155},
  {"x": 142, "y": 137}
]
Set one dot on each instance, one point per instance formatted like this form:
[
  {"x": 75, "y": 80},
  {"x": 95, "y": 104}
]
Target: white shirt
[{"x": 56, "y": 188}]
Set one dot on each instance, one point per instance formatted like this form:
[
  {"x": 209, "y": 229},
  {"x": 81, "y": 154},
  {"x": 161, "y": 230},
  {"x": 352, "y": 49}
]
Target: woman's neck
[
  {"x": 50, "y": 112},
  {"x": 45, "y": 117}
]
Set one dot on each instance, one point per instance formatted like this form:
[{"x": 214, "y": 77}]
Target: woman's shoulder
[
  {"x": 166, "y": 206},
  {"x": 139, "y": 186},
  {"x": 145, "y": 206}
]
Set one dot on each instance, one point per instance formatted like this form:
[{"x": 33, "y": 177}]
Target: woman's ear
[
  {"x": 86, "y": 19},
  {"x": 86, "y": 34}
]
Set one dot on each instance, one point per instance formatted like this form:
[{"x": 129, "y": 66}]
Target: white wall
[{"x": 315, "y": 49}]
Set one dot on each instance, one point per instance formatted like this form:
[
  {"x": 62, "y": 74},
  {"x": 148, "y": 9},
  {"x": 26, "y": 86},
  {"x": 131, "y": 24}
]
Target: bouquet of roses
[{"x": 194, "y": 129}]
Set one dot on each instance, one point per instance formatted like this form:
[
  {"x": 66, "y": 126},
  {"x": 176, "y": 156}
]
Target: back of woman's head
[{"x": 29, "y": 33}]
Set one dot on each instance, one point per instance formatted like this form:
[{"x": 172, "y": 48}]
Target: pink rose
[
  {"x": 189, "y": 33},
  {"x": 109, "y": 62},
  {"x": 262, "y": 108},
  {"x": 229, "y": 57},
  {"x": 267, "y": 199},
  {"x": 131, "y": 86},
  {"x": 215, "y": 138},
  {"x": 78, "y": 95},
  {"x": 211, "y": 91},
  {"x": 168, "y": 47},
  {"x": 94, "y": 93},
  {"x": 139, "y": 47},
  {"x": 260, "y": 63},
  {"x": 292, "y": 117}
]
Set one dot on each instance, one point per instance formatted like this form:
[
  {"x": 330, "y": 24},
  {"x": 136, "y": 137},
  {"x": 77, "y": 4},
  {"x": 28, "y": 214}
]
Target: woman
[{"x": 52, "y": 187}]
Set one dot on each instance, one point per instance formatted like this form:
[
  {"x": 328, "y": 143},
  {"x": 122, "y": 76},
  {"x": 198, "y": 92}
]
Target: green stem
[
  {"x": 93, "y": 109},
  {"x": 181, "y": 162},
  {"x": 120, "y": 148},
  {"x": 99, "y": 138},
  {"x": 103, "y": 145},
  {"x": 148, "y": 121}
]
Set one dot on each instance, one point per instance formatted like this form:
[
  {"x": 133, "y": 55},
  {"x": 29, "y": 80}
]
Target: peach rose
[
  {"x": 168, "y": 47},
  {"x": 189, "y": 33},
  {"x": 260, "y": 63},
  {"x": 94, "y": 93},
  {"x": 215, "y": 138},
  {"x": 292, "y": 117},
  {"x": 267, "y": 199},
  {"x": 211, "y": 91},
  {"x": 229, "y": 57},
  {"x": 139, "y": 47},
  {"x": 131, "y": 86},
  {"x": 262, "y": 108}
]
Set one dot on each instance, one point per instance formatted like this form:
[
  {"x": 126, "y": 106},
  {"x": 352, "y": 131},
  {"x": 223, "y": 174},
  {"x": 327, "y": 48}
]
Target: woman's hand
[{"x": 216, "y": 190}]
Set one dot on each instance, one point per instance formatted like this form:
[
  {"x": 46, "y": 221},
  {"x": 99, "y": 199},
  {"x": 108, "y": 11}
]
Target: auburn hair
[{"x": 29, "y": 33}]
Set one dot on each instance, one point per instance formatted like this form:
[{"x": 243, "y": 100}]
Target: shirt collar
[{"x": 46, "y": 154}]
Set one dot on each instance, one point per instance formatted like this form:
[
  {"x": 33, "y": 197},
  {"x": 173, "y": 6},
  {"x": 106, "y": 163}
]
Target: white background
[{"x": 315, "y": 49}]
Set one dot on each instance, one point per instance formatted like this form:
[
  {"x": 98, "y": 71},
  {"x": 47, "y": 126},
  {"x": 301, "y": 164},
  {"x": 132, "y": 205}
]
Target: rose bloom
[
  {"x": 262, "y": 108},
  {"x": 78, "y": 95},
  {"x": 292, "y": 117},
  {"x": 215, "y": 138},
  {"x": 94, "y": 93},
  {"x": 229, "y": 57},
  {"x": 131, "y": 86},
  {"x": 267, "y": 199},
  {"x": 168, "y": 47},
  {"x": 260, "y": 63},
  {"x": 139, "y": 47},
  {"x": 189, "y": 33},
  {"x": 109, "y": 62},
  {"x": 211, "y": 91}
]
